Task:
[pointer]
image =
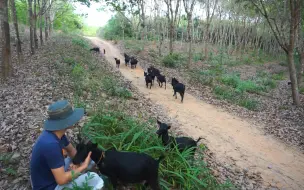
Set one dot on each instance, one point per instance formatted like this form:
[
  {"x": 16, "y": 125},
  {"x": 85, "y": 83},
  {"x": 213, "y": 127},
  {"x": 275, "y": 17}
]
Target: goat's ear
[
  {"x": 169, "y": 126},
  {"x": 158, "y": 122}
]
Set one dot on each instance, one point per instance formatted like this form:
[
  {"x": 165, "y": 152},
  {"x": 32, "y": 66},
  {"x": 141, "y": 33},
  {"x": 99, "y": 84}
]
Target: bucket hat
[{"x": 62, "y": 115}]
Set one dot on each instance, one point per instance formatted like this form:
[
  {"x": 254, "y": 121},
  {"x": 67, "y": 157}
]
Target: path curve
[{"x": 229, "y": 137}]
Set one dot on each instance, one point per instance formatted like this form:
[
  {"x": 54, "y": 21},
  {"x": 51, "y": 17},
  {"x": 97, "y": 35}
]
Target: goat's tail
[
  {"x": 199, "y": 139},
  {"x": 160, "y": 158}
]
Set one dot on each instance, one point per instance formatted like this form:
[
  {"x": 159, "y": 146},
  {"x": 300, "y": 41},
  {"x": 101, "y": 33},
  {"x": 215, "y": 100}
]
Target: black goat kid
[
  {"x": 127, "y": 59},
  {"x": 178, "y": 87},
  {"x": 96, "y": 49},
  {"x": 183, "y": 143},
  {"x": 148, "y": 79},
  {"x": 117, "y": 62},
  {"x": 126, "y": 167},
  {"x": 161, "y": 79}
]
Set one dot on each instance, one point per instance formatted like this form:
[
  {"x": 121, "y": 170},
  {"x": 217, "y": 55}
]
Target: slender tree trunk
[
  {"x": 30, "y": 10},
  {"x": 46, "y": 34},
  {"x": 35, "y": 24},
  {"x": 171, "y": 34},
  {"x": 18, "y": 45},
  {"x": 301, "y": 69},
  {"x": 40, "y": 25},
  {"x": 5, "y": 40}
]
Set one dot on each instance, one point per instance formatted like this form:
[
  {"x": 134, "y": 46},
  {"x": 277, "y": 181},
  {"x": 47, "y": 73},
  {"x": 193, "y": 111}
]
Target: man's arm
[{"x": 63, "y": 177}]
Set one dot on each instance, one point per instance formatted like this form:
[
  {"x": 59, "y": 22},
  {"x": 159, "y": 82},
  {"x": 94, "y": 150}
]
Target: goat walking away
[
  {"x": 161, "y": 79},
  {"x": 96, "y": 49},
  {"x": 178, "y": 87},
  {"x": 148, "y": 79},
  {"x": 126, "y": 167},
  {"x": 183, "y": 143},
  {"x": 127, "y": 59},
  {"x": 133, "y": 62},
  {"x": 117, "y": 62}
]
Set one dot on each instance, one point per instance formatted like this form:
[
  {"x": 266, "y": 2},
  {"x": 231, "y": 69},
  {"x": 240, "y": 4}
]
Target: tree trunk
[
  {"x": 5, "y": 40},
  {"x": 40, "y": 25},
  {"x": 190, "y": 40},
  {"x": 46, "y": 34},
  {"x": 301, "y": 69},
  {"x": 30, "y": 10},
  {"x": 293, "y": 78},
  {"x": 35, "y": 24},
  {"x": 171, "y": 34},
  {"x": 18, "y": 45}
]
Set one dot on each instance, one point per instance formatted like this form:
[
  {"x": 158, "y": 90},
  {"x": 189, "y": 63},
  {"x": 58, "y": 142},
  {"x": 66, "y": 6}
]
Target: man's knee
[{"x": 94, "y": 180}]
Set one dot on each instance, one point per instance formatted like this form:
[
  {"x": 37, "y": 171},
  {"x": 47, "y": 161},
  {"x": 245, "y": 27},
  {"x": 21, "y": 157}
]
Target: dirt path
[{"x": 231, "y": 139}]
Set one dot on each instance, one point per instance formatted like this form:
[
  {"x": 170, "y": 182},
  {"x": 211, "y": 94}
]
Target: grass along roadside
[{"x": 98, "y": 89}]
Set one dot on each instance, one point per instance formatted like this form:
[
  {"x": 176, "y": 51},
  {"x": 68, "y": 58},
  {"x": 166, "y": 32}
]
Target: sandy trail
[{"x": 230, "y": 138}]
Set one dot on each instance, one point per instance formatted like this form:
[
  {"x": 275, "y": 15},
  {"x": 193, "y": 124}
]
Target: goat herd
[
  {"x": 134, "y": 167},
  {"x": 150, "y": 74}
]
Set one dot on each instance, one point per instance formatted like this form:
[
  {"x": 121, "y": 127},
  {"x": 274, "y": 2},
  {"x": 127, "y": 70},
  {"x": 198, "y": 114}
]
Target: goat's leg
[{"x": 113, "y": 182}]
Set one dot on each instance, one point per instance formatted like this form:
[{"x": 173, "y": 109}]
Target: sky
[{"x": 95, "y": 18}]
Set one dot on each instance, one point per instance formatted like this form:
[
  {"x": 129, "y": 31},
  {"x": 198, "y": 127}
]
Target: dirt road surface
[{"x": 230, "y": 138}]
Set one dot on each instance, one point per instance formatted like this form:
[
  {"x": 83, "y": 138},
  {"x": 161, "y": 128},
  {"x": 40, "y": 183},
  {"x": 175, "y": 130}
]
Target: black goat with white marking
[
  {"x": 126, "y": 167},
  {"x": 183, "y": 143},
  {"x": 178, "y": 87}
]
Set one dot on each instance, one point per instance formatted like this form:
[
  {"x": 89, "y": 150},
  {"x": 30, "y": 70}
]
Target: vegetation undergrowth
[{"x": 110, "y": 125}]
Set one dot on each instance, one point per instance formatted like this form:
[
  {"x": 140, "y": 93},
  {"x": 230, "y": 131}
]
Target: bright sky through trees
[{"x": 94, "y": 18}]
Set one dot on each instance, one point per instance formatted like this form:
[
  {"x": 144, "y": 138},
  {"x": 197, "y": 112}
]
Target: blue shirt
[{"x": 46, "y": 155}]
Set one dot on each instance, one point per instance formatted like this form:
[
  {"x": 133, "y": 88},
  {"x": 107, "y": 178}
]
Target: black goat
[
  {"x": 148, "y": 79},
  {"x": 126, "y": 167},
  {"x": 117, "y": 62},
  {"x": 96, "y": 49},
  {"x": 133, "y": 62},
  {"x": 127, "y": 59},
  {"x": 161, "y": 79},
  {"x": 153, "y": 72},
  {"x": 182, "y": 143},
  {"x": 178, "y": 87}
]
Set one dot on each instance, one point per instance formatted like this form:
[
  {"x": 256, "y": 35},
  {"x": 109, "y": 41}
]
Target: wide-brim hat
[{"x": 62, "y": 115}]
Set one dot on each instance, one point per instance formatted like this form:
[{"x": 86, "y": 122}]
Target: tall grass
[{"x": 115, "y": 129}]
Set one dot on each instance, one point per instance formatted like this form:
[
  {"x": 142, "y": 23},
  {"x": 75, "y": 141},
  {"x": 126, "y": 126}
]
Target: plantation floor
[{"x": 234, "y": 141}]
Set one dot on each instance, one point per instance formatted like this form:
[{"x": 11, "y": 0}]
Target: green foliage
[
  {"x": 89, "y": 30},
  {"x": 66, "y": 20},
  {"x": 278, "y": 76},
  {"x": 109, "y": 84},
  {"x": 234, "y": 96},
  {"x": 115, "y": 129},
  {"x": 22, "y": 11},
  {"x": 81, "y": 42},
  {"x": 173, "y": 60},
  {"x": 116, "y": 28}
]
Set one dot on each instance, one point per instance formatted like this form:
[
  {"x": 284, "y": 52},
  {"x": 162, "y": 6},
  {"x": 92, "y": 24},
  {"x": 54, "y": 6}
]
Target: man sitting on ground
[{"x": 49, "y": 169}]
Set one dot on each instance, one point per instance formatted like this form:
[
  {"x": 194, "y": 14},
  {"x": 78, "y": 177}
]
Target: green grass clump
[
  {"x": 125, "y": 133},
  {"x": 232, "y": 95},
  {"x": 109, "y": 84},
  {"x": 81, "y": 42},
  {"x": 278, "y": 76},
  {"x": 173, "y": 60}
]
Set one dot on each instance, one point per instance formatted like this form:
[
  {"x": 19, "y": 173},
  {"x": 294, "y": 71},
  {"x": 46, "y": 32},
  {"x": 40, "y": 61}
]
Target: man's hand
[{"x": 86, "y": 162}]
